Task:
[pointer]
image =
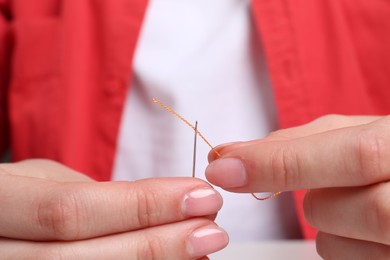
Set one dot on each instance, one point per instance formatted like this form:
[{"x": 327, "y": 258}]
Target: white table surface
[{"x": 272, "y": 250}]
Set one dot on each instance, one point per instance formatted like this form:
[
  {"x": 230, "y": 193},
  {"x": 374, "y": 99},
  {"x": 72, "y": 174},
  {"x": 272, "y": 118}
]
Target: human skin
[
  {"x": 343, "y": 161},
  {"x": 52, "y": 212}
]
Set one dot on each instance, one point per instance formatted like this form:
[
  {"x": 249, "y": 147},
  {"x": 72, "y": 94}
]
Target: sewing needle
[{"x": 194, "y": 156}]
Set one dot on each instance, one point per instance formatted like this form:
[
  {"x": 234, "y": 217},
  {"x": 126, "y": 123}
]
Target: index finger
[
  {"x": 351, "y": 156},
  {"x": 38, "y": 209}
]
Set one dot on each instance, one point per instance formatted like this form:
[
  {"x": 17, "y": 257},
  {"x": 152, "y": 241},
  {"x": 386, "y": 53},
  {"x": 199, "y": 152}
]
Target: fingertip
[
  {"x": 202, "y": 202},
  {"x": 207, "y": 240},
  {"x": 227, "y": 173}
]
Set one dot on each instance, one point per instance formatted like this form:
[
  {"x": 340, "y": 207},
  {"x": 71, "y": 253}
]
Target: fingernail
[
  {"x": 213, "y": 154},
  {"x": 202, "y": 202},
  {"x": 227, "y": 173},
  {"x": 207, "y": 240}
]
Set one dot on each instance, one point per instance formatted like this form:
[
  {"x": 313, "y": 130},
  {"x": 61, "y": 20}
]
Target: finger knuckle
[
  {"x": 370, "y": 148},
  {"x": 152, "y": 248},
  {"x": 58, "y": 215},
  {"x": 285, "y": 166},
  {"x": 147, "y": 207}
]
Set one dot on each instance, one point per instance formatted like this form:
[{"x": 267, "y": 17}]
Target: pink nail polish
[
  {"x": 227, "y": 173},
  {"x": 207, "y": 240},
  {"x": 202, "y": 202}
]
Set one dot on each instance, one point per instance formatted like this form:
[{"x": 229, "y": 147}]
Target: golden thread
[
  {"x": 170, "y": 110},
  {"x": 268, "y": 197}
]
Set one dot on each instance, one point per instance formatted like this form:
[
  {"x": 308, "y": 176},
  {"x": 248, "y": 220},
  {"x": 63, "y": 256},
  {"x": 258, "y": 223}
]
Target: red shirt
[{"x": 65, "y": 67}]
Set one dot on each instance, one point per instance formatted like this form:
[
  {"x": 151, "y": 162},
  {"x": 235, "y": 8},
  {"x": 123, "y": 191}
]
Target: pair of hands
[{"x": 50, "y": 211}]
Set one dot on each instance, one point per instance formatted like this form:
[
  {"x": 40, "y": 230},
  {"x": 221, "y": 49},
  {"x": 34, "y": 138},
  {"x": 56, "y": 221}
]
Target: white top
[{"x": 203, "y": 59}]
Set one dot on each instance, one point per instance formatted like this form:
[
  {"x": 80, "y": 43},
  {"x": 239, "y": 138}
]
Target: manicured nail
[
  {"x": 227, "y": 173},
  {"x": 202, "y": 202},
  {"x": 207, "y": 240}
]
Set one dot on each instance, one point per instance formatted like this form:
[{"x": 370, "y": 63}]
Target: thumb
[{"x": 349, "y": 156}]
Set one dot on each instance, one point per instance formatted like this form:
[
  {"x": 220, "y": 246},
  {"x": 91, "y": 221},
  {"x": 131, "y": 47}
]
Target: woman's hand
[
  {"x": 49, "y": 211},
  {"x": 343, "y": 161}
]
